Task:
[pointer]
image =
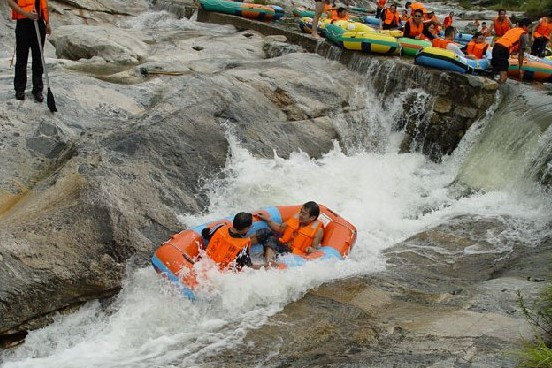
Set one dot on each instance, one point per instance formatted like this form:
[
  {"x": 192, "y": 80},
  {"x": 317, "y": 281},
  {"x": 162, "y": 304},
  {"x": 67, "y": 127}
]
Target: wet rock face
[
  {"x": 84, "y": 190},
  {"x": 448, "y": 298}
]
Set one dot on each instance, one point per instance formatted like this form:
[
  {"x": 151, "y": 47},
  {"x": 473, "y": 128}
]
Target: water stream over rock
[{"x": 133, "y": 156}]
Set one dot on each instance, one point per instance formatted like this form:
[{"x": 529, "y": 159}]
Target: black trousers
[
  {"x": 25, "y": 38},
  {"x": 539, "y": 46}
]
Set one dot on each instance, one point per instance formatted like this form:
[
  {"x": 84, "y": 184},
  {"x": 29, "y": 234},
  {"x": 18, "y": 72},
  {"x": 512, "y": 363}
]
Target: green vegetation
[
  {"x": 538, "y": 354},
  {"x": 532, "y": 8}
]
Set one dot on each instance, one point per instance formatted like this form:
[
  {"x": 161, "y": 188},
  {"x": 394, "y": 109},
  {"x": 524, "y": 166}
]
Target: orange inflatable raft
[{"x": 175, "y": 259}]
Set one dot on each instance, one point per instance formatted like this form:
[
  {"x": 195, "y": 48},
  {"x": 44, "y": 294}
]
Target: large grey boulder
[{"x": 77, "y": 42}]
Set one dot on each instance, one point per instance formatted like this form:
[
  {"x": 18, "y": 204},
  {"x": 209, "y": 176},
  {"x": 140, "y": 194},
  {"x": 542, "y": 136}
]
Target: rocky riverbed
[{"x": 146, "y": 105}]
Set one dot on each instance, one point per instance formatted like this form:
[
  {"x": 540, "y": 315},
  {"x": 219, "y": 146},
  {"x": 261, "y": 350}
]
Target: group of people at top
[
  {"x": 228, "y": 246},
  {"x": 417, "y": 22}
]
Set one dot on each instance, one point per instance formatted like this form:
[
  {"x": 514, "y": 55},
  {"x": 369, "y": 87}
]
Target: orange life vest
[
  {"x": 477, "y": 49},
  {"x": 381, "y": 3},
  {"x": 414, "y": 29},
  {"x": 543, "y": 29},
  {"x": 511, "y": 39},
  {"x": 224, "y": 248},
  {"x": 501, "y": 28},
  {"x": 391, "y": 18},
  {"x": 447, "y": 22},
  {"x": 336, "y": 17},
  {"x": 28, "y": 6},
  {"x": 439, "y": 42},
  {"x": 299, "y": 237}
]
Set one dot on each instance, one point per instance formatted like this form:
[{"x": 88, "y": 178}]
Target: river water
[{"x": 388, "y": 196}]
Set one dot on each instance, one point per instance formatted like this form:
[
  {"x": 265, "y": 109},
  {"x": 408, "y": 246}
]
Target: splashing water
[{"x": 388, "y": 196}]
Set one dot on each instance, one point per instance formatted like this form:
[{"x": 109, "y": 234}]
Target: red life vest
[
  {"x": 501, "y": 28},
  {"x": 543, "y": 29},
  {"x": 391, "y": 18},
  {"x": 28, "y": 6},
  {"x": 439, "y": 42},
  {"x": 511, "y": 39},
  {"x": 298, "y": 237},
  {"x": 414, "y": 29},
  {"x": 224, "y": 248},
  {"x": 447, "y": 22},
  {"x": 477, "y": 49}
]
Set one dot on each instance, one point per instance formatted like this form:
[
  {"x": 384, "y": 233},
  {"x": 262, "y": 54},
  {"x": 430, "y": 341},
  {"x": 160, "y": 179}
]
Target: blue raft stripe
[{"x": 187, "y": 292}]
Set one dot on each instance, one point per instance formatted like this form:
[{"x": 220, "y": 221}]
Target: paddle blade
[{"x": 50, "y": 101}]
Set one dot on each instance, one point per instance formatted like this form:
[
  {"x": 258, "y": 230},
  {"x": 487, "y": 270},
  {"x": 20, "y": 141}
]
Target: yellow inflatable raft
[{"x": 371, "y": 42}]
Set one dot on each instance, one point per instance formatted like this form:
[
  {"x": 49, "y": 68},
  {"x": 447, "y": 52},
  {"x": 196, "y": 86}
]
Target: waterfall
[{"x": 515, "y": 145}]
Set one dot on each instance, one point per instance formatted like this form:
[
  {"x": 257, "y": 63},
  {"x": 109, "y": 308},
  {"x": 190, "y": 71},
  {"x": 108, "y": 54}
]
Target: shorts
[{"x": 500, "y": 58}]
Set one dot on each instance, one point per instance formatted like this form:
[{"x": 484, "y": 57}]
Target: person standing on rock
[
  {"x": 319, "y": 6},
  {"x": 515, "y": 40},
  {"x": 26, "y": 12}
]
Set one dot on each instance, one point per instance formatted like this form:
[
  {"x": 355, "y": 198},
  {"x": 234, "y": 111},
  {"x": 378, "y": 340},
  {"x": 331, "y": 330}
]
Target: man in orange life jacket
[
  {"x": 448, "y": 20},
  {"x": 541, "y": 35},
  {"x": 390, "y": 18},
  {"x": 515, "y": 40},
  {"x": 301, "y": 234},
  {"x": 26, "y": 12},
  {"x": 501, "y": 24},
  {"x": 477, "y": 47},
  {"x": 448, "y": 43},
  {"x": 340, "y": 14},
  {"x": 229, "y": 246}
]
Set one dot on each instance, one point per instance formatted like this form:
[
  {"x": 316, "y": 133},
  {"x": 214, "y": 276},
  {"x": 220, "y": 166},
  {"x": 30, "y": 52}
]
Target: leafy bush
[{"x": 539, "y": 353}]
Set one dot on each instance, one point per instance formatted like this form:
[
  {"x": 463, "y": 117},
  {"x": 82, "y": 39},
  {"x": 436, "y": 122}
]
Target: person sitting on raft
[
  {"x": 390, "y": 18},
  {"x": 415, "y": 26},
  {"x": 301, "y": 234},
  {"x": 448, "y": 43},
  {"x": 431, "y": 17},
  {"x": 404, "y": 16},
  {"x": 229, "y": 246},
  {"x": 477, "y": 46},
  {"x": 340, "y": 14},
  {"x": 429, "y": 31},
  {"x": 541, "y": 35},
  {"x": 486, "y": 31}
]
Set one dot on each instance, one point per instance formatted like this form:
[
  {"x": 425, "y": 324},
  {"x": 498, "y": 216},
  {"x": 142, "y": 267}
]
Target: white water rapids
[{"x": 388, "y": 196}]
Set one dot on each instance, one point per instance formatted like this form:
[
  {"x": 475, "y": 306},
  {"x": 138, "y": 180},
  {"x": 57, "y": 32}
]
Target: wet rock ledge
[{"x": 434, "y": 124}]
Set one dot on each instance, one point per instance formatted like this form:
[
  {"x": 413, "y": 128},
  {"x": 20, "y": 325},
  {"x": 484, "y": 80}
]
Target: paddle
[{"x": 50, "y": 96}]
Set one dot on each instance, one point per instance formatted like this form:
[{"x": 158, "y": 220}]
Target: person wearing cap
[
  {"x": 541, "y": 35},
  {"x": 431, "y": 17},
  {"x": 515, "y": 40},
  {"x": 228, "y": 246},
  {"x": 301, "y": 234},
  {"x": 413, "y": 6}
]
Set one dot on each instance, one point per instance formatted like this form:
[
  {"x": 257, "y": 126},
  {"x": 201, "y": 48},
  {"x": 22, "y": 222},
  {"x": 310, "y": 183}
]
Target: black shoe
[
  {"x": 38, "y": 96},
  {"x": 19, "y": 95}
]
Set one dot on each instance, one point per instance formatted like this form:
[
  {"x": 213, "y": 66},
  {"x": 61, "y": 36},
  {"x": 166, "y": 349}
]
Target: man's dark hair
[
  {"x": 408, "y": 3},
  {"x": 419, "y": 11},
  {"x": 340, "y": 10},
  {"x": 501, "y": 10},
  {"x": 242, "y": 220},
  {"x": 476, "y": 34},
  {"x": 313, "y": 208},
  {"x": 449, "y": 31},
  {"x": 525, "y": 22},
  {"x": 485, "y": 23},
  {"x": 549, "y": 14}
]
